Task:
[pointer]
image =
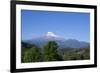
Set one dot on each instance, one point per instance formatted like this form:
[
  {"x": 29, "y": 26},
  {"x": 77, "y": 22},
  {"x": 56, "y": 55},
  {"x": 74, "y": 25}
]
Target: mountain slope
[{"x": 62, "y": 42}]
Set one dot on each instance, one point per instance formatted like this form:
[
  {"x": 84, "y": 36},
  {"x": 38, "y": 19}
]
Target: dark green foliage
[
  {"x": 77, "y": 54},
  {"x": 32, "y": 55},
  {"x": 26, "y": 45},
  {"x": 50, "y": 52},
  {"x": 27, "y": 56}
]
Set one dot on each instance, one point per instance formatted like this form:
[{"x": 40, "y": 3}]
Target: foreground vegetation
[{"x": 50, "y": 52}]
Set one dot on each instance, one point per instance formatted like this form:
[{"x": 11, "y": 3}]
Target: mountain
[{"x": 62, "y": 42}]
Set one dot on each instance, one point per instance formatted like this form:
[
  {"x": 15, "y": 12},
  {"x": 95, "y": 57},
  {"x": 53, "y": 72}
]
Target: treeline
[
  {"x": 77, "y": 54},
  {"x": 36, "y": 54},
  {"x": 50, "y": 52}
]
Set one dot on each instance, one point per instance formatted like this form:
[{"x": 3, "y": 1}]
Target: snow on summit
[{"x": 51, "y": 34}]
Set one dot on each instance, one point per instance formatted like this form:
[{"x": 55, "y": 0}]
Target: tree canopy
[{"x": 50, "y": 52}]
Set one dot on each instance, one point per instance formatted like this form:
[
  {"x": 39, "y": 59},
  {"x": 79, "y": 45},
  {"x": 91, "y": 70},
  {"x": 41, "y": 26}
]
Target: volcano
[{"x": 62, "y": 42}]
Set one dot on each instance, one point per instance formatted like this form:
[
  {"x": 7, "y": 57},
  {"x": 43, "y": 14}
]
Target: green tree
[
  {"x": 27, "y": 56},
  {"x": 32, "y": 55},
  {"x": 50, "y": 52}
]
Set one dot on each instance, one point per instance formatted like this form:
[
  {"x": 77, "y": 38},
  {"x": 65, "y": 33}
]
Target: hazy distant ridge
[{"x": 62, "y": 42}]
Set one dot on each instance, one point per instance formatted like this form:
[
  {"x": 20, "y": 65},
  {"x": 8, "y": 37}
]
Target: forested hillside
[{"x": 51, "y": 52}]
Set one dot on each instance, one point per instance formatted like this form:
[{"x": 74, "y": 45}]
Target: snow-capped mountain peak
[
  {"x": 62, "y": 42},
  {"x": 51, "y": 34}
]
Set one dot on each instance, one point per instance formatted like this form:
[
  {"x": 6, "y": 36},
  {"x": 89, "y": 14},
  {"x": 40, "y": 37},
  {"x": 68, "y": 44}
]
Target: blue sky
[{"x": 70, "y": 25}]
